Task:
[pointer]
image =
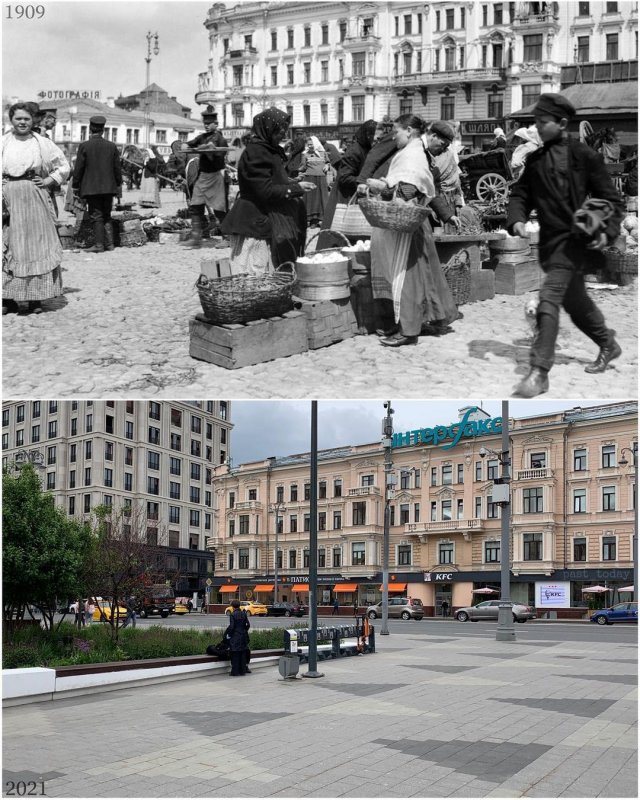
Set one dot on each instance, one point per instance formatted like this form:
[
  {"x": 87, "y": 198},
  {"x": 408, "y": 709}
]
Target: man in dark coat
[
  {"x": 556, "y": 181},
  {"x": 238, "y": 638},
  {"x": 97, "y": 177}
]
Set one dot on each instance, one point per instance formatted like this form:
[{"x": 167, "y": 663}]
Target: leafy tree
[{"x": 43, "y": 552}]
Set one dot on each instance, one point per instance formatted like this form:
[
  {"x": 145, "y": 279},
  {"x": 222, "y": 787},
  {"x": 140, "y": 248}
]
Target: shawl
[
  {"x": 410, "y": 165},
  {"x": 266, "y": 124},
  {"x": 318, "y": 149}
]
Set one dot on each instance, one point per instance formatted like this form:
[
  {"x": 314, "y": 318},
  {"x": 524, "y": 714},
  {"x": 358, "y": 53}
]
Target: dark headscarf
[
  {"x": 365, "y": 133},
  {"x": 295, "y": 156},
  {"x": 266, "y": 124}
]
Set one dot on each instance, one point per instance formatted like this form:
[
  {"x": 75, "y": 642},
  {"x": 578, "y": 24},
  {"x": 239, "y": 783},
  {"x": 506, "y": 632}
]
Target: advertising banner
[{"x": 553, "y": 595}]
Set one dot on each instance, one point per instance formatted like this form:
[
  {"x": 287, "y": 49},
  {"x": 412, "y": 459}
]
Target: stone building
[{"x": 572, "y": 514}]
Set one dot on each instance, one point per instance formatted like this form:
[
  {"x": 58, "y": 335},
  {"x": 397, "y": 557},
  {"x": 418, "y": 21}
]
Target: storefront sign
[
  {"x": 443, "y": 433},
  {"x": 553, "y": 595},
  {"x": 594, "y": 574},
  {"x": 479, "y": 127},
  {"x": 432, "y": 577},
  {"x": 68, "y": 94}
]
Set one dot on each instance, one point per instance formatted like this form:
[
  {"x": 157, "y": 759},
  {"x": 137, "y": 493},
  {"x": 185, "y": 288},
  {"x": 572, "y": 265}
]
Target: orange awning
[
  {"x": 228, "y": 588},
  {"x": 263, "y": 587},
  {"x": 300, "y": 587},
  {"x": 395, "y": 587},
  {"x": 345, "y": 587}
]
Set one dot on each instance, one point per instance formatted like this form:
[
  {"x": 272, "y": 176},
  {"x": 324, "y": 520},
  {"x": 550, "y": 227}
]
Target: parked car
[
  {"x": 251, "y": 607},
  {"x": 105, "y": 605},
  {"x": 286, "y": 610},
  {"x": 180, "y": 608},
  {"x": 399, "y": 608},
  {"x": 488, "y": 610},
  {"x": 622, "y": 612}
]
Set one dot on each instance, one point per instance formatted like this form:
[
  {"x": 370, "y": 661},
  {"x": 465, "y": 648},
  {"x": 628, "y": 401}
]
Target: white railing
[
  {"x": 539, "y": 472},
  {"x": 362, "y": 491},
  {"x": 443, "y": 525}
]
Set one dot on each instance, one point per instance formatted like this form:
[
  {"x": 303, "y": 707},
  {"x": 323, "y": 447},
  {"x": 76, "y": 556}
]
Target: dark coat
[
  {"x": 376, "y": 164},
  {"x": 439, "y": 203},
  {"x": 238, "y": 630},
  {"x": 210, "y": 162},
  {"x": 98, "y": 169},
  {"x": 535, "y": 189}
]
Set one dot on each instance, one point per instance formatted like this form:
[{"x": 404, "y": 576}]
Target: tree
[{"x": 43, "y": 552}]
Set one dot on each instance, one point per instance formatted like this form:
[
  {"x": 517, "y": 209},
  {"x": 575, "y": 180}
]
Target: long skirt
[
  {"x": 31, "y": 249},
  {"x": 250, "y": 256},
  {"x": 150, "y": 192},
  {"x": 316, "y": 201},
  {"x": 406, "y": 270}
]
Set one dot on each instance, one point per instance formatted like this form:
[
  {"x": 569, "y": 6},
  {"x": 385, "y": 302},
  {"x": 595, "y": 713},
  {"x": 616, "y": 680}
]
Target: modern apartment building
[
  {"x": 155, "y": 455},
  {"x": 572, "y": 513},
  {"x": 334, "y": 65}
]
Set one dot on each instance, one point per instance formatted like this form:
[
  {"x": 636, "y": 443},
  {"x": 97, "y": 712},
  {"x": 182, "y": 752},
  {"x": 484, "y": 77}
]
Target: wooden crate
[
  {"x": 518, "y": 278},
  {"x": 482, "y": 286},
  {"x": 328, "y": 321},
  {"x": 215, "y": 267},
  {"x": 235, "y": 346}
]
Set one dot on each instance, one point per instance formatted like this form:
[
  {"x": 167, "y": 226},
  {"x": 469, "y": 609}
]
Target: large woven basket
[
  {"x": 394, "y": 215},
  {"x": 243, "y": 298},
  {"x": 458, "y": 276},
  {"x": 618, "y": 261}
]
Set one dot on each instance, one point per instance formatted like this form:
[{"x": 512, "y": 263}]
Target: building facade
[
  {"x": 572, "y": 514},
  {"x": 158, "y": 456},
  {"x": 334, "y": 65}
]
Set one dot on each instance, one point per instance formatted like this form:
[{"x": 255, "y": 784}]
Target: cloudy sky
[
  {"x": 90, "y": 45},
  {"x": 264, "y": 428}
]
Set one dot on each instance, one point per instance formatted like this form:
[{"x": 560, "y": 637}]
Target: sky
[
  {"x": 264, "y": 428},
  {"x": 102, "y": 45}
]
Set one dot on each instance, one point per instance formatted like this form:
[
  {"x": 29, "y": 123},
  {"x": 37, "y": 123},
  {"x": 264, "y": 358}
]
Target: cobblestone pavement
[
  {"x": 428, "y": 715},
  {"x": 121, "y": 330}
]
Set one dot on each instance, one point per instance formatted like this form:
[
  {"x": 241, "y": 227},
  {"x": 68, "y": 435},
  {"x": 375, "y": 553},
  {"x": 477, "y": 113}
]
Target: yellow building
[{"x": 572, "y": 514}]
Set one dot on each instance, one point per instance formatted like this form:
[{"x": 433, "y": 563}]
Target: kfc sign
[{"x": 553, "y": 595}]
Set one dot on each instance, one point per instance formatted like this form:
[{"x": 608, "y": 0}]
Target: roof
[
  {"x": 595, "y": 99},
  {"x": 175, "y": 121}
]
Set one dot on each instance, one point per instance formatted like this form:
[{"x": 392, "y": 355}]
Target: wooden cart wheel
[{"x": 491, "y": 187}]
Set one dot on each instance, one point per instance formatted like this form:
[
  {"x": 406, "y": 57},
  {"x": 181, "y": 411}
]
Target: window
[
  {"x": 128, "y": 456},
  {"x": 223, "y": 409},
  {"x": 35, "y": 434},
  {"x": 460, "y": 509},
  {"x": 446, "y": 509},
  {"x": 72, "y": 452},
  {"x": 357, "y": 554},
  {"x": 447, "y": 474},
  {"x": 358, "y": 65},
  {"x": 72, "y": 479},
  {"x": 492, "y": 470},
  {"x": 87, "y": 449},
  {"x": 87, "y": 476},
  {"x": 306, "y": 71},
  {"x": 51, "y": 480},
  {"x": 128, "y": 429},
  {"x": 337, "y": 557},
  {"x": 404, "y": 513},
  {"x": 128, "y": 482},
  {"x": 293, "y": 523},
  {"x": 322, "y": 520},
  {"x": 392, "y": 515},
  {"x": 306, "y": 113},
  {"x": 342, "y": 27},
  {"x": 88, "y": 423},
  {"x": 207, "y": 499},
  {"x": 20, "y": 413},
  {"x": 357, "y": 105},
  {"x": 322, "y": 490},
  {"x": 497, "y": 14},
  {"x": 154, "y": 410},
  {"x": 478, "y": 471},
  {"x": 292, "y": 559},
  {"x": 325, "y": 33},
  {"x": 337, "y": 520},
  {"x": 532, "y": 47},
  {"x": 495, "y": 107},
  {"x": 274, "y": 40},
  {"x": 492, "y": 552},
  {"x": 232, "y": 499},
  {"x": 609, "y": 548},
  {"x": 72, "y": 505},
  {"x": 583, "y": 49},
  {"x": 532, "y": 501},
  {"x": 434, "y": 508},
  {"x": 87, "y": 503},
  {"x": 359, "y": 513},
  {"x": 109, "y": 423},
  {"x": 530, "y": 93},
  {"x": 580, "y": 459},
  {"x": 194, "y": 518},
  {"x": 53, "y": 406},
  {"x": 35, "y": 412},
  {"x": 154, "y": 435},
  {"x": 52, "y": 429},
  {"x": 337, "y": 487},
  {"x": 176, "y": 417},
  {"x": 322, "y": 557},
  {"x": 434, "y": 476},
  {"x": 244, "y": 523},
  {"x": 153, "y": 460},
  {"x": 307, "y": 491},
  {"x": 448, "y": 105},
  {"x": 583, "y": 9},
  {"x": 175, "y": 442},
  {"x": 175, "y": 465},
  {"x": 608, "y": 456},
  {"x": 532, "y": 546},
  {"x": 196, "y": 424},
  {"x": 579, "y": 548},
  {"x": 462, "y": 18},
  {"x": 174, "y": 490},
  {"x": 108, "y": 477},
  {"x": 579, "y": 501},
  {"x": 492, "y": 508},
  {"x": 460, "y": 476},
  {"x": 324, "y": 112},
  {"x": 153, "y": 485},
  {"x": 243, "y": 558},
  {"x": 608, "y": 498},
  {"x": 367, "y": 480},
  {"x": 477, "y": 507},
  {"x": 306, "y": 523},
  {"x": 274, "y": 76},
  {"x": 293, "y": 493},
  {"x": 445, "y": 553},
  {"x": 404, "y": 555},
  {"x": 153, "y": 510},
  {"x": 194, "y": 494},
  {"x": 612, "y": 46},
  {"x": 290, "y": 39}
]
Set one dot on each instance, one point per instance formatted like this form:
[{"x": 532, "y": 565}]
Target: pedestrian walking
[
  {"x": 238, "y": 637},
  {"x": 130, "y": 605},
  {"x": 80, "y": 614},
  {"x": 313, "y": 169},
  {"x": 97, "y": 178},
  {"x": 90, "y": 607},
  {"x": 556, "y": 181},
  {"x": 336, "y": 606},
  {"x": 32, "y": 253},
  {"x": 445, "y": 608},
  {"x": 355, "y": 608},
  {"x": 73, "y": 609},
  {"x": 190, "y": 604}
]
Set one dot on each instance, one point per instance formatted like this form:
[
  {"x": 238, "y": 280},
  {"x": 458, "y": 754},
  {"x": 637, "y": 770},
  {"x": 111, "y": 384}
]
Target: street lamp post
[
  {"x": 623, "y": 462},
  {"x": 277, "y": 509},
  {"x": 151, "y": 37},
  {"x": 387, "y": 434}
]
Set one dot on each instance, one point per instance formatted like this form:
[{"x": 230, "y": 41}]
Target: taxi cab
[
  {"x": 251, "y": 607},
  {"x": 105, "y": 616}
]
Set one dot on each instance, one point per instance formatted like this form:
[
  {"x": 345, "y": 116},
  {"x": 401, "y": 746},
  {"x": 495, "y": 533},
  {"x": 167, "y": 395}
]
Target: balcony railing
[
  {"x": 599, "y": 72},
  {"x": 547, "y": 18},
  {"x": 363, "y": 491},
  {"x": 539, "y": 472},
  {"x": 462, "y": 525},
  {"x": 249, "y": 505},
  {"x": 444, "y": 76}
]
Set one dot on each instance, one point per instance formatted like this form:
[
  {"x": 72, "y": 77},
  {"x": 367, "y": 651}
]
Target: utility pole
[
  {"x": 312, "y": 672},
  {"x": 505, "y": 631},
  {"x": 387, "y": 440}
]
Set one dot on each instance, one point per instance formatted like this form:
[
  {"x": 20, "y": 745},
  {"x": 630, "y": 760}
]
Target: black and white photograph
[{"x": 289, "y": 200}]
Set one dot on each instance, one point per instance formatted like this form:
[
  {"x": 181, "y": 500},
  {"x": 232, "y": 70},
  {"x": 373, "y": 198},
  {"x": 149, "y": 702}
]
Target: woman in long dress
[
  {"x": 150, "y": 184},
  {"x": 314, "y": 168},
  {"x": 405, "y": 268},
  {"x": 31, "y": 249}
]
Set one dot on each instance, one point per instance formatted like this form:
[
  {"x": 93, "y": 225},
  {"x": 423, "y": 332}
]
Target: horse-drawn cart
[{"x": 486, "y": 175}]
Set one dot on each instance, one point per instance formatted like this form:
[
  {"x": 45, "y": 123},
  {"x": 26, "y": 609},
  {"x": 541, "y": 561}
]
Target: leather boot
[
  {"x": 194, "y": 239},
  {"x": 536, "y": 382},
  {"x": 606, "y": 354},
  {"x": 108, "y": 236}
]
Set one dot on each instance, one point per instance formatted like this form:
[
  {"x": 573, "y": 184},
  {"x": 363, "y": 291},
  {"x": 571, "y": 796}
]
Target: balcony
[
  {"x": 599, "y": 72},
  {"x": 530, "y": 21},
  {"x": 363, "y": 491},
  {"x": 247, "y": 54},
  {"x": 449, "y": 76},
  {"x": 534, "y": 474},
  {"x": 249, "y": 505},
  {"x": 452, "y": 525},
  {"x": 367, "y": 40}
]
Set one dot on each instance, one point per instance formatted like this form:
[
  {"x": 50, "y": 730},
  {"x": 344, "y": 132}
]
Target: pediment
[{"x": 445, "y": 491}]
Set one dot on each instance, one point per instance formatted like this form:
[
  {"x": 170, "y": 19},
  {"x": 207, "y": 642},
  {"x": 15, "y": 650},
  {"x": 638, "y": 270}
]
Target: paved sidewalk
[
  {"x": 122, "y": 328},
  {"x": 428, "y": 715}
]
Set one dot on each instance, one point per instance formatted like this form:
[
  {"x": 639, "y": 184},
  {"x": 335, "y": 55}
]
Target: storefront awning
[
  {"x": 395, "y": 587},
  {"x": 229, "y": 588},
  {"x": 263, "y": 587},
  {"x": 345, "y": 587},
  {"x": 300, "y": 587}
]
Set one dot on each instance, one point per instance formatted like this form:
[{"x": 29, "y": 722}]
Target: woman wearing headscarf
[
  {"x": 405, "y": 268},
  {"x": 150, "y": 185},
  {"x": 267, "y": 224},
  {"x": 528, "y": 142},
  {"x": 294, "y": 161},
  {"x": 500, "y": 140},
  {"x": 315, "y": 164},
  {"x": 31, "y": 249}
]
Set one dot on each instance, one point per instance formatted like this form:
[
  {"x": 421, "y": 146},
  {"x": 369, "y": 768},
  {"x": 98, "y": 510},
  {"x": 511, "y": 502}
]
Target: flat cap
[
  {"x": 98, "y": 120},
  {"x": 209, "y": 113},
  {"x": 556, "y": 105},
  {"x": 443, "y": 129}
]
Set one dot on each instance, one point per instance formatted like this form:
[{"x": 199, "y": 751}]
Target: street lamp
[
  {"x": 277, "y": 508},
  {"x": 623, "y": 463},
  {"x": 389, "y": 483},
  {"x": 151, "y": 37},
  {"x": 73, "y": 110}
]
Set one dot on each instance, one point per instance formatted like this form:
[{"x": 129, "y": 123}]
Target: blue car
[{"x": 622, "y": 612}]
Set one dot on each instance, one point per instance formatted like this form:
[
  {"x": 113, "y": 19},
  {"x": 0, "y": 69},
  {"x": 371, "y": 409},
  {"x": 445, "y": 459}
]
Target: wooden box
[
  {"x": 215, "y": 267},
  {"x": 482, "y": 286},
  {"x": 518, "y": 278},
  {"x": 328, "y": 321},
  {"x": 235, "y": 346}
]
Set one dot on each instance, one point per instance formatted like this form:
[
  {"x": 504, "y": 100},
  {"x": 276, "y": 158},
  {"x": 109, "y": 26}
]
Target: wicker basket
[
  {"x": 134, "y": 238},
  {"x": 458, "y": 275},
  {"x": 617, "y": 261},
  {"x": 152, "y": 232},
  {"x": 243, "y": 298},
  {"x": 394, "y": 215}
]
